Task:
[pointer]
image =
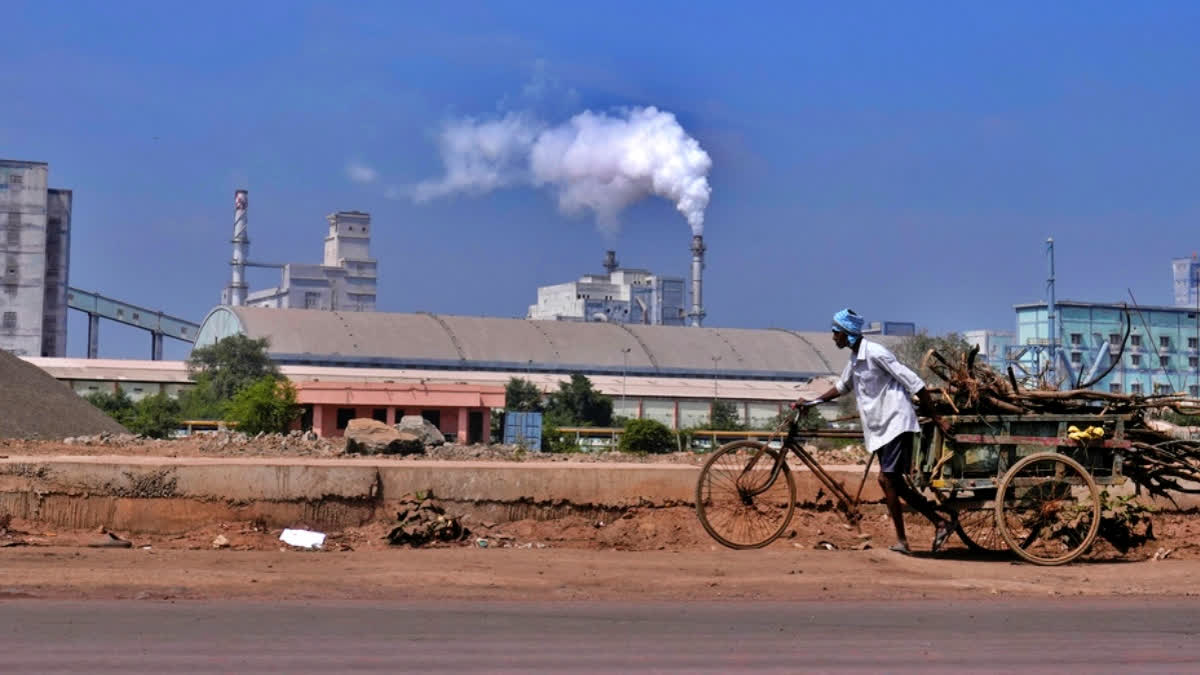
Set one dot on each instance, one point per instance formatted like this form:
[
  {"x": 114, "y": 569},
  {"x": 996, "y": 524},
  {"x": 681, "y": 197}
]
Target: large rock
[
  {"x": 423, "y": 428},
  {"x": 372, "y": 437}
]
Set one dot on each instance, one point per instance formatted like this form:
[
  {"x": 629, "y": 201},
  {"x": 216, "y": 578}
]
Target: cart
[{"x": 1025, "y": 483}]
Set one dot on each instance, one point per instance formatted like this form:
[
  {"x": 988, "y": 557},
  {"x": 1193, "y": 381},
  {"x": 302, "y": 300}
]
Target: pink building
[{"x": 459, "y": 410}]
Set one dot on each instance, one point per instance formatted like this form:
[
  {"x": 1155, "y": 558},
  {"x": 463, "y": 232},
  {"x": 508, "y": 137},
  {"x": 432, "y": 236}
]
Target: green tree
[
  {"x": 912, "y": 349},
  {"x": 231, "y": 364},
  {"x": 521, "y": 395},
  {"x": 724, "y": 416},
  {"x": 200, "y": 402},
  {"x": 116, "y": 405},
  {"x": 647, "y": 435},
  {"x": 576, "y": 403},
  {"x": 155, "y": 416},
  {"x": 809, "y": 418},
  {"x": 267, "y": 405}
]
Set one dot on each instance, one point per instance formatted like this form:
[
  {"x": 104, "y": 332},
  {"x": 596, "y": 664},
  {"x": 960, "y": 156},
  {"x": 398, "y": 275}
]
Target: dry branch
[{"x": 1158, "y": 460}]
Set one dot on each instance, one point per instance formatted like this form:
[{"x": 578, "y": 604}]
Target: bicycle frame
[{"x": 791, "y": 442}]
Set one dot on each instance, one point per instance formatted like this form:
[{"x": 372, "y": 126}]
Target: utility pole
[
  {"x": 715, "y": 360},
  {"x": 624, "y": 368},
  {"x": 1051, "y": 319}
]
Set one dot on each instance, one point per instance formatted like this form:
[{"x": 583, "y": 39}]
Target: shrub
[
  {"x": 268, "y": 405},
  {"x": 554, "y": 440},
  {"x": 646, "y": 435},
  {"x": 116, "y": 405},
  {"x": 200, "y": 402},
  {"x": 155, "y": 416}
]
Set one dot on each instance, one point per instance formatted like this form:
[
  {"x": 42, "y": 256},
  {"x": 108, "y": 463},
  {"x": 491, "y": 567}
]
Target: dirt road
[
  {"x": 238, "y": 636},
  {"x": 567, "y": 574}
]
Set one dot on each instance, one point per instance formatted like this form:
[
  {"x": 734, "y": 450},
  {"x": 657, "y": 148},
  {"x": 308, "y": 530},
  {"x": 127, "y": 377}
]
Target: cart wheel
[
  {"x": 726, "y": 499},
  {"x": 1048, "y": 509},
  {"x": 977, "y": 529}
]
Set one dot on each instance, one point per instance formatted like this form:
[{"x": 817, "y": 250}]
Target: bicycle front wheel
[{"x": 739, "y": 505}]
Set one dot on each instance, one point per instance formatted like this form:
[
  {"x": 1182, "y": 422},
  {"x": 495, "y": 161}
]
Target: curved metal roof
[{"x": 315, "y": 337}]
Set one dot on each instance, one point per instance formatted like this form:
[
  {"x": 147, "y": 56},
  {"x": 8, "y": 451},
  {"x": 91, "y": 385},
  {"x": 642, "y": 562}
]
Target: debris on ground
[
  {"x": 110, "y": 540},
  {"x": 422, "y": 522},
  {"x": 303, "y": 538}
]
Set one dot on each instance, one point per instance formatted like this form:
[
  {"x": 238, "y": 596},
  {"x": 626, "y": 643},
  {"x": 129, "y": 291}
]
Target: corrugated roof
[
  {"x": 118, "y": 370},
  {"x": 482, "y": 343}
]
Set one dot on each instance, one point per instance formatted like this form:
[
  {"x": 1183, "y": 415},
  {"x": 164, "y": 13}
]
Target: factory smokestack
[
  {"x": 610, "y": 261},
  {"x": 236, "y": 293},
  {"x": 696, "y": 315}
]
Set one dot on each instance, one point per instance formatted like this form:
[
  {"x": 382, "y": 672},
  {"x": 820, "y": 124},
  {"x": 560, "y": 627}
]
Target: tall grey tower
[
  {"x": 35, "y": 248},
  {"x": 235, "y": 292},
  {"x": 696, "y": 315}
]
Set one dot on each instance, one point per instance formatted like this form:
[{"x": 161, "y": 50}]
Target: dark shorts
[{"x": 896, "y": 455}]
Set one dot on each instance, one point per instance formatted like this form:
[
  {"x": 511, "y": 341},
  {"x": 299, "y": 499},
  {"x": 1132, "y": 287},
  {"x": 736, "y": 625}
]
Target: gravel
[{"x": 35, "y": 405}]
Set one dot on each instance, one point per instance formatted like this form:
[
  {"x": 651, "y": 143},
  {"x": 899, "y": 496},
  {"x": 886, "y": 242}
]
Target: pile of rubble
[
  {"x": 423, "y": 522},
  {"x": 303, "y": 443},
  {"x": 222, "y": 442}
]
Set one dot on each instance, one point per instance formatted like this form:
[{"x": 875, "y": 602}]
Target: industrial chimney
[
  {"x": 696, "y": 315},
  {"x": 236, "y": 293},
  {"x": 610, "y": 261}
]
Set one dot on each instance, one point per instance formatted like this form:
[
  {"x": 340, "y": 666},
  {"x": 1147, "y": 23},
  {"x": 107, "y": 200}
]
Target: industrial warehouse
[{"x": 668, "y": 373}]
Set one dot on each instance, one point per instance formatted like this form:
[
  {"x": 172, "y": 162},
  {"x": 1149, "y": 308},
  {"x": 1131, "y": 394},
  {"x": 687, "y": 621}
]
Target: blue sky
[{"x": 905, "y": 159}]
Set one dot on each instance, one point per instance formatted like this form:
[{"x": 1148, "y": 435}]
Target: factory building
[
  {"x": 668, "y": 373},
  {"x": 344, "y": 281},
  {"x": 1185, "y": 273},
  {"x": 1161, "y": 356},
  {"x": 620, "y": 295},
  {"x": 35, "y": 250},
  {"x": 993, "y": 345}
]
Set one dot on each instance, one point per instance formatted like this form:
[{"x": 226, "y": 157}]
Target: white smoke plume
[{"x": 594, "y": 161}]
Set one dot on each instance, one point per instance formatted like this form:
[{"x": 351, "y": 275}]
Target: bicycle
[{"x": 741, "y": 501}]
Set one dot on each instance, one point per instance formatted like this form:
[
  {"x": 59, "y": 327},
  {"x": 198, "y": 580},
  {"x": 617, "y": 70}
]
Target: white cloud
[{"x": 361, "y": 173}]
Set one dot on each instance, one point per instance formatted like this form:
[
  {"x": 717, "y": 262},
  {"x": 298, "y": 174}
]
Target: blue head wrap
[{"x": 850, "y": 323}]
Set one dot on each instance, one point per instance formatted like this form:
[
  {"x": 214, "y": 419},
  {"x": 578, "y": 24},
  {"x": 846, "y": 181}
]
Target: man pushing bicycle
[{"x": 883, "y": 388}]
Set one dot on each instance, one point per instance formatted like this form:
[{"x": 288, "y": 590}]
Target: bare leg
[
  {"x": 894, "y": 510},
  {"x": 916, "y": 500}
]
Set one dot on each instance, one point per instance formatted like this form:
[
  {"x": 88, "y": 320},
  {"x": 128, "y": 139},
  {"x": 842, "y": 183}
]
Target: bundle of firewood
[{"x": 1163, "y": 458}]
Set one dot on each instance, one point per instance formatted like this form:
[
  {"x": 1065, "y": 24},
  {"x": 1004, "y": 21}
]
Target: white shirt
[{"x": 883, "y": 387}]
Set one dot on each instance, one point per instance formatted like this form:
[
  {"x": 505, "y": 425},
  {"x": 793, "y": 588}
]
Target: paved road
[{"x": 1028, "y": 635}]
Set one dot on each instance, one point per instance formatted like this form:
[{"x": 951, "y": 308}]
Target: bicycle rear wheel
[{"x": 736, "y": 505}]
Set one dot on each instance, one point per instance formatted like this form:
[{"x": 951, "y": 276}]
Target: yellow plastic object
[{"x": 1074, "y": 433}]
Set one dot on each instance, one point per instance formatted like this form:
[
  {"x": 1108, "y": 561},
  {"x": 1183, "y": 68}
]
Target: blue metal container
[{"x": 523, "y": 428}]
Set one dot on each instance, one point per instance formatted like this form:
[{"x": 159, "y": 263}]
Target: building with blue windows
[{"x": 1162, "y": 354}]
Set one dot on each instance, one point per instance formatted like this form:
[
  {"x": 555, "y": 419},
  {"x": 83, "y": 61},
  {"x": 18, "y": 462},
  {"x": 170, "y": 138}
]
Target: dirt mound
[{"x": 35, "y": 405}]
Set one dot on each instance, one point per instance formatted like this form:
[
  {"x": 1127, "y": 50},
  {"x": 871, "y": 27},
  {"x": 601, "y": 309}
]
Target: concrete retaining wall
[{"x": 154, "y": 494}]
